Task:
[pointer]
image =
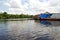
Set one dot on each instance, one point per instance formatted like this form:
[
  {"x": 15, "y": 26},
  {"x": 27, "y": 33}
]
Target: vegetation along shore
[{"x": 5, "y": 15}]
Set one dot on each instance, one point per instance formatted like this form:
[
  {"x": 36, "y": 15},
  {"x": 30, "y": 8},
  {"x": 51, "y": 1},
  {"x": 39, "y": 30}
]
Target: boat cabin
[{"x": 45, "y": 15}]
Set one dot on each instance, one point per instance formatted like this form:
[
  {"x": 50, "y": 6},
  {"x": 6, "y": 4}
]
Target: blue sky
[
  {"x": 2, "y": 6},
  {"x": 29, "y": 6}
]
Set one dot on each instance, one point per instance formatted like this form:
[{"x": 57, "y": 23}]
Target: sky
[{"x": 29, "y": 6}]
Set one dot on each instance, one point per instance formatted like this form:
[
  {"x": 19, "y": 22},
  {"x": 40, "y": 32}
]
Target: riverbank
[
  {"x": 18, "y": 19},
  {"x": 5, "y": 15}
]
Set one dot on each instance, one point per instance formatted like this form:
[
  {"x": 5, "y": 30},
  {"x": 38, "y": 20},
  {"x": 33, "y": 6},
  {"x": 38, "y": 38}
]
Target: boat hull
[{"x": 50, "y": 19}]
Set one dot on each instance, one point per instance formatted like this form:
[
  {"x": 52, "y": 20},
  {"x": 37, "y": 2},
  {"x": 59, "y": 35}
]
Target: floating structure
[{"x": 46, "y": 16}]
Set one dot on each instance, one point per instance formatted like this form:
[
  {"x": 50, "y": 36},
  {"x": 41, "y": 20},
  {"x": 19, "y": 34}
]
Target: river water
[{"x": 29, "y": 30}]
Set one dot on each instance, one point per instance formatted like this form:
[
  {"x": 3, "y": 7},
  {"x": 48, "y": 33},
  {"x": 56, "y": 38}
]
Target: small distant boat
[{"x": 45, "y": 16}]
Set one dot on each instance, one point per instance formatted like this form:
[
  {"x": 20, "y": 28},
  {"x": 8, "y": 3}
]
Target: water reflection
[
  {"x": 49, "y": 23},
  {"x": 44, "y": 38},
  {"x": 45, "y": 22},
  {"x": 28, "y": 30},
  {"x": 3, "y": 30}
]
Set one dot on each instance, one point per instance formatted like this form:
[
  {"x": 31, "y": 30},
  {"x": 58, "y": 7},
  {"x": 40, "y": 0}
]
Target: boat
[
  {"x": 45, "y": 16},
  {"x": 50, "y": 19}
]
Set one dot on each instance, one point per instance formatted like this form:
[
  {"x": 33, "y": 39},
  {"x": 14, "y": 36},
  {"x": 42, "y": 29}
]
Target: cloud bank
[{"x": 30, "y": 6}]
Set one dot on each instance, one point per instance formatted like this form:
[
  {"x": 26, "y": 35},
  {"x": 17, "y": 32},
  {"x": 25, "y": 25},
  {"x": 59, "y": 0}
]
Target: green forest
[{"x": 5, "y": 15}]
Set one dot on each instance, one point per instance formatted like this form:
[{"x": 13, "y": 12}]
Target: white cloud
[
  {"x": 15, "y": 10},
  {"x": 54, "y": 2},
  {"x": 7, "y": 4},
  {"x": 16, "y": 7},
  {"x": 33, "y": 6}
]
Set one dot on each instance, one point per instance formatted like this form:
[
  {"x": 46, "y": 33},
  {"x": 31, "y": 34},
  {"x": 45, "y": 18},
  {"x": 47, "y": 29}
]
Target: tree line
[{"x": 5, "y": 15}]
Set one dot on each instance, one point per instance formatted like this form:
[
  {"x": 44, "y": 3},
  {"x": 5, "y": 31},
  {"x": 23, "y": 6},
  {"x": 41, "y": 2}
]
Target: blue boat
[{"x": 45, "y": 15}]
